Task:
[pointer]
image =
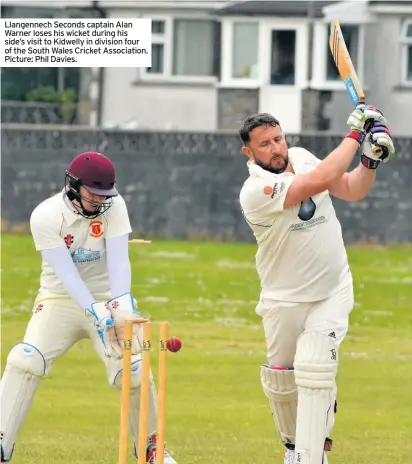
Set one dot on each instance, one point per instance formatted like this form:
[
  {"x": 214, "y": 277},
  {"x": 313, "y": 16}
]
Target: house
[{"x": 215, "y": 63}]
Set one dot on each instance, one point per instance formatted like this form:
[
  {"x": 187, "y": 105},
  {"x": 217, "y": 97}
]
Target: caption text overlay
[{"x": 81, "y": 43}]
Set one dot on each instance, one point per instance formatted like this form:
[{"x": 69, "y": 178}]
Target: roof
[
  {"x": 390, "y": 2},
  {"x": 275, "y": 8}
]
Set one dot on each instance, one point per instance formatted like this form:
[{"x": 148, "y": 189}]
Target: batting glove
[
  {"x": 377, "y": 146},
  {"x": 361, "y": 120}
]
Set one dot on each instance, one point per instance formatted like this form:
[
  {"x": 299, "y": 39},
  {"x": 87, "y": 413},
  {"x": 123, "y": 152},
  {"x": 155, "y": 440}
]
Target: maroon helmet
[{"x": 96, "y": 173}]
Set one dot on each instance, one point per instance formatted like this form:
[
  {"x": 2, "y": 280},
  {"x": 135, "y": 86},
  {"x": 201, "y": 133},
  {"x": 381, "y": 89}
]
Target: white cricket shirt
[
  {"x": 299, "y": 259},
  {"x": 55, "y": 222}
]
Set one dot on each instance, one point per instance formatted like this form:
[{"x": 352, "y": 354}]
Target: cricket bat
[
  {"x": 344, "y": 64},
  {"x": 346, "y": 69}
]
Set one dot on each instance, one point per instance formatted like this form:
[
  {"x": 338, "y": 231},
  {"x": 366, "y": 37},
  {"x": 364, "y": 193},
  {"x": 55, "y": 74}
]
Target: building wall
[
  {"x": 132, "y": 102},
  {"x": 382, "y": 79},
  {"x": 157, "y": 106}
]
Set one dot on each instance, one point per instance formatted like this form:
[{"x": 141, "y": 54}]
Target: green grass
[{"x": 217, "y": 412}]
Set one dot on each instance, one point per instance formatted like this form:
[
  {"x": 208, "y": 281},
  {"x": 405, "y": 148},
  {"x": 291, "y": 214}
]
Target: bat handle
[
  {"x": 379, "y": 151},
  {"x": 361, "y": 102}
]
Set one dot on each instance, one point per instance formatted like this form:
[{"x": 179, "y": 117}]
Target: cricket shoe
[
  {"x": 3, "y": 457},
  {"x": 290, "y": 457},
  {"x": 151, "y": 452}
]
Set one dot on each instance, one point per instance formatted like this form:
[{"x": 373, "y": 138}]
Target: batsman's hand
[
  {"x": 377, "y": 146},
  {"x": 361, "y": 120},
  {"x": 121, "y": 308},
  {"x": 105, "y": 326}
]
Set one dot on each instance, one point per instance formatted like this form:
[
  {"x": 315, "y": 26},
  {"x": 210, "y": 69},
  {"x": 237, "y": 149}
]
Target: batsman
[
  {"x": 85, "y": 292},
  {"x": 306, "y": 283}
]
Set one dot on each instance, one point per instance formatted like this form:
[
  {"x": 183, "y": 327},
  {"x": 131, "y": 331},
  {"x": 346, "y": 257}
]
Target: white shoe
[
  {"x": 289, "y": 457},
  {"x": 151, "y": 456},
  {"x": 151, "y": 453}
]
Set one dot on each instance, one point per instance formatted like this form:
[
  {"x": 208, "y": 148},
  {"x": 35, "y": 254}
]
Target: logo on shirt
[
  {"x": 267, "y": 189},
  {"x": 96, "y": 229},
  {"x": 308, "y": 224},
  {"x": 68, "y": 240},
  {"x": 276, "y": 189},
  {"x": 85, "y": 256},
  {"x": 38, "y": 308}
]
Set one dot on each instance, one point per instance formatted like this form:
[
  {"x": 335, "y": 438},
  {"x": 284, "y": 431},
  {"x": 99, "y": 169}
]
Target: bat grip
[{"x": 382, "y": 152}]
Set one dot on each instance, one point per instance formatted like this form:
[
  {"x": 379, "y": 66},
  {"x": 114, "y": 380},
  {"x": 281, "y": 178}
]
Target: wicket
[{"x": 144, "y": 391}]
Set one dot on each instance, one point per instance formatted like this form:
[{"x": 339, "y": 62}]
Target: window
[
  {"x": 157, "y": 59},
  {"x": 17, "y": 83},
  {"x": 158, "y": 27},
  {"x": 158, "y": 47},
  {"x": 351, "y": 36},
  {"x": 193, "y": 47},
  {"x": 183, "y": 47},
  {"x": 407, "y": 40},
  {"x": 283, "y": 52},
  {"x": 245, "y": 50}
]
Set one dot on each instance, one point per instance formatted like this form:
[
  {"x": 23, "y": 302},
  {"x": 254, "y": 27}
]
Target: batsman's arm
[
  {"x": 361, "y": 120},
  {"x": 316, "y": 181},
  {"x": 353, "y": 186}
]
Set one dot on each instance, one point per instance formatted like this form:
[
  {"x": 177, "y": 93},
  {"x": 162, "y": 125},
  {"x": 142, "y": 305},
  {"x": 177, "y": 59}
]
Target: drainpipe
[
  {"x": 100, "y": 72},
  {"x": 311, "y": 17}
]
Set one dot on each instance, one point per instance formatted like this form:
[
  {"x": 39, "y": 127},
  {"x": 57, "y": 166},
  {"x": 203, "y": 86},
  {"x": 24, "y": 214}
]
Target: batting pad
[
  {"x": 280, "y": 388},
  {"x": 316, "y": 364},
  {"x": 25, "y": 367}
]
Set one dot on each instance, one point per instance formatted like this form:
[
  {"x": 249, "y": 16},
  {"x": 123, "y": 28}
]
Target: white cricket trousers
[
  {"x": 284, "y": 322},
  {"x": 55, "y": 326}
]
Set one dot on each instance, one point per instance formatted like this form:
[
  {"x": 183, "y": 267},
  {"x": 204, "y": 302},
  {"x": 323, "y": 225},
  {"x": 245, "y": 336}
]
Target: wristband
[
  {"x": 356, "y": 135},
  {"x": 369, "y": 162}
]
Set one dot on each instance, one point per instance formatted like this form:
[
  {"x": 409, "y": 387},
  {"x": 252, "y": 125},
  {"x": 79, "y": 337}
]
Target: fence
[
  {"x": 17, "y": 112},
  {"x": 186, "y": 185}
]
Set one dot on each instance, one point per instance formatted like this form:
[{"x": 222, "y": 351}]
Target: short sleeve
[
  {"x": 118, "y": 222},
  {"x": 45, "y": 228},
  {"x": 260, "y": 200}
]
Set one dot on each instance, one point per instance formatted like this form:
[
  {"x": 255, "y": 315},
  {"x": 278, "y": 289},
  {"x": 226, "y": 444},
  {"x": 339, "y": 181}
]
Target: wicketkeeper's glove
[
  {"x": 105, "y": 326},
  {"x": 121, "y": 308}
]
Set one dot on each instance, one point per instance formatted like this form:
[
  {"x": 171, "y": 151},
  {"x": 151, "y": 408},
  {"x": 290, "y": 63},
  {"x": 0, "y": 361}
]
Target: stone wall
[{"x": 186, "y": 185}]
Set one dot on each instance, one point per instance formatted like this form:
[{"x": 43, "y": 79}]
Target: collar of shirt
[
  {"x": 69, "y": 211},
  {"x": 256, "y": 171}
]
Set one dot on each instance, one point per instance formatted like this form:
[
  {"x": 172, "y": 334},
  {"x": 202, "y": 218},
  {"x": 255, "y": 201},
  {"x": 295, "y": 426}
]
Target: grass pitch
[{"x": 216, "y": 410}]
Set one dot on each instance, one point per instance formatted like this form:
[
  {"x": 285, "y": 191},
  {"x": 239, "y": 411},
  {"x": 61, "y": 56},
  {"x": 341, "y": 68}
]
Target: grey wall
[{"x": 186, "y": 185}]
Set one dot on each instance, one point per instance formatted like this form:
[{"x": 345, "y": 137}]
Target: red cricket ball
[{"x": 174, "y": 344}]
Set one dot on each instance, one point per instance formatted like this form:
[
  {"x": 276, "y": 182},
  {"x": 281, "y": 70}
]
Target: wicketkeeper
[
  {"x": 306, "y": 283},
  {"x": 85, "y": 292}
]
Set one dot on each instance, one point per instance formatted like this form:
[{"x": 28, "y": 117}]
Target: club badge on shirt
[{"x": 96, "y": 229}]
